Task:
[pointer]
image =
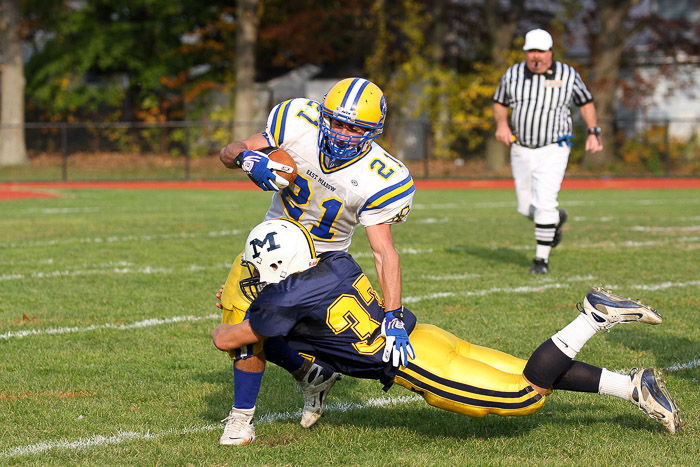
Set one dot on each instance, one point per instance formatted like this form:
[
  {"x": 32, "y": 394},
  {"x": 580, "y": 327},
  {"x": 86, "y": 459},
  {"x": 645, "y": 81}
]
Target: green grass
[{"x": 112, "y": 257}]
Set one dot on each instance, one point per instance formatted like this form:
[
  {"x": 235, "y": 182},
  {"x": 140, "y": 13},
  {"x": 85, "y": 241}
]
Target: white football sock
[
  {"x": 542, "y": 251},
  {"x": 615, "y": 384},
  {"x": 574, "y": 336}
]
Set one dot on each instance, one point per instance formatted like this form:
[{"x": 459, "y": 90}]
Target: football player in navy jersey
[
  {"x": 344, "y": 179},
  {"x": 325, "y": 306}
]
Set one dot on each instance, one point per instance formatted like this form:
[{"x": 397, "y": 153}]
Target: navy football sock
[
  {"x": 278, "y": 352},
  {"x": 246, "y": 386}
]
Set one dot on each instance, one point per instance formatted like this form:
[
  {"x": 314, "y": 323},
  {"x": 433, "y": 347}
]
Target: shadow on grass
[
  {"x": 278, "y": 392},
  {"x": 501, "y": 255},
  {"x": 430, "y": 422},
  {"x": 278, "y": 395}
]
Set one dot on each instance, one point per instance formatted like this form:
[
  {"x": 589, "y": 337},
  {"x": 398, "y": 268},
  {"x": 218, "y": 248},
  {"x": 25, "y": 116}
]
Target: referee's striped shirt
[{"x": 540, "y": 102}]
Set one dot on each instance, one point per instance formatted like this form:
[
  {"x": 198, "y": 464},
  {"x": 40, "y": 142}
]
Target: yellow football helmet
[{"x": 355, "y": 101}]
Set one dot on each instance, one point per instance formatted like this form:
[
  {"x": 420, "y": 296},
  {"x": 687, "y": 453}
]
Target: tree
[
  {"x": 501, "y": 23},
  {"x": 128, "y": 59},
  {"x": 615, "y": 32},
  {"x": 248, "y": 21},
  {"x": 12, "y": 146},
  {"x": 608, "y": 35}
]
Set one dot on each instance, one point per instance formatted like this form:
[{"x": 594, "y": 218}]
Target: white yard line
[
  {"x": 124, "y": 268},
  {"x": 120, "y": 327},
  {"x": 121, "y": 239},
  {"x": 129, "y": 436},
  {"x": 480, "y": 293},
  {"x": 646, "y": 228},
  {"x": 566, "y": 203}
]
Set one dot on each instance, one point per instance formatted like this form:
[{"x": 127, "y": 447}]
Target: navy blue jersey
[{"x": 329, "y": 311}]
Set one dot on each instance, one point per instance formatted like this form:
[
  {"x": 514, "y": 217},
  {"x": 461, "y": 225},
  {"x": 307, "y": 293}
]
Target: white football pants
[{"x": 538, "y": 174}]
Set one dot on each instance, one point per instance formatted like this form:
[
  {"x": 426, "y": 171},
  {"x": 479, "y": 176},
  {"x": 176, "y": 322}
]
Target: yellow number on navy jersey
[{"x": 347, "y": 312}]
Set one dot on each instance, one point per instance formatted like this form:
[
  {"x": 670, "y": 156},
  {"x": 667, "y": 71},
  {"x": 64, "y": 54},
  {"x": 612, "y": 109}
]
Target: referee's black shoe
[
  {"x": 539, "y": 266},
  {"x": 563, "y": 216}
]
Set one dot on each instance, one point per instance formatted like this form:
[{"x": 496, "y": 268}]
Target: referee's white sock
[{"x": 542, "y": 251}]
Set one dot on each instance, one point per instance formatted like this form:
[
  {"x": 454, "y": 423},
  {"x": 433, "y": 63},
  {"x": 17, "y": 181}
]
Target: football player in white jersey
[{"x": 344, "y": 179}]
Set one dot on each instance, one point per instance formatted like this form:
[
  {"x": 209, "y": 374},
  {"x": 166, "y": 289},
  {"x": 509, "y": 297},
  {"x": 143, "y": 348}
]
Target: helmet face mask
[
  {"x": 356, "y": 102},
  {"x": 251, "y": 286},
  {"x": 274, "y": 250}
]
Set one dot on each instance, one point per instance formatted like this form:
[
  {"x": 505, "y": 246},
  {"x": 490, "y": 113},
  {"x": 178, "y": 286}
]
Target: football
[{"x": 281, "y": 156}]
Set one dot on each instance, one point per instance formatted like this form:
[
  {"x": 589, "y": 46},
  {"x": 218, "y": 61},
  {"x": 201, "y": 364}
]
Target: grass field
[{"x": 107, "y": 301}]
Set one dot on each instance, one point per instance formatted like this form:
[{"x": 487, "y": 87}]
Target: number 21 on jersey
[{"x": 300, "y": 195}]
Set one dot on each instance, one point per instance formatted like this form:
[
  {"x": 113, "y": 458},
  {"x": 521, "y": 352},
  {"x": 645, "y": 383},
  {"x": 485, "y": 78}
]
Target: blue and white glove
[
  {"x": 260, "y": 169},
  {"x": 397, "y": 346}
]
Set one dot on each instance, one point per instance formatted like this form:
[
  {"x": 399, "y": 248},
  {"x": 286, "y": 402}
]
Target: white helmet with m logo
[{"x": 274, "y": 250}]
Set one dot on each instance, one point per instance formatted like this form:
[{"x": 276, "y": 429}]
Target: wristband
[
  {"x": 595, "y": 130},
  {"x": 398, "y": 313},
  {"x": 239, "y": 159}
]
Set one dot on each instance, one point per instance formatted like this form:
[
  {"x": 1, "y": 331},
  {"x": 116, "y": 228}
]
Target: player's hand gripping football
[
  {"x": 397, "y": 347},
  {"x": 260, "y": 169}
]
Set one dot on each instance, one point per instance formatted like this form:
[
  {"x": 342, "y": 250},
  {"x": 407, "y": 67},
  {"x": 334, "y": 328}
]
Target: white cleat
[
  {"x": 238, "y": 429},
  {"x": 605, "y": 309},
  {"x": 314, "y": 386},
  {"x": 650, "y": 395}
]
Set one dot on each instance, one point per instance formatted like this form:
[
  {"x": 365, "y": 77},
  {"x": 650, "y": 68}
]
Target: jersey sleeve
[
  {"x": 291, "y": 117},
  {"x": 271, "y": 318},
  {"x": 391, "y": 204},
  {"x": 581, "y": 94}
]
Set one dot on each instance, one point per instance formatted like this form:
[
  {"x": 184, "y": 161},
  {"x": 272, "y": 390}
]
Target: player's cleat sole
[
  {"x": 563, "y": 216},
  {"x": 650, "y": 395},
  {"x": 605, "y": 309},
  {"x": 238, "y": 428},
  {"x": 539, "y": 266}
]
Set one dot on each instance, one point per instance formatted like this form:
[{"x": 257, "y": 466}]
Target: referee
[{"x": 539, "y": 91}]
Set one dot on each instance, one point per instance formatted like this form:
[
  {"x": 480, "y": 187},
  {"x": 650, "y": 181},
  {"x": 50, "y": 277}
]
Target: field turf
[{"x": 107, "y": 302}]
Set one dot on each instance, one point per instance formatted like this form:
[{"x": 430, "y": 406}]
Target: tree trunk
[
  {"x": 606, "y": 58},
  {"x": 502, "y": 26},
  {"x": 248, "y": 20},
  {"x": 12, "y": 146}
]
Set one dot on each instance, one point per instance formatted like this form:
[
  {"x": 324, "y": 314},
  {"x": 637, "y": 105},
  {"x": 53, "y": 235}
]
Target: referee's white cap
[{"x": 538, "y": 39}]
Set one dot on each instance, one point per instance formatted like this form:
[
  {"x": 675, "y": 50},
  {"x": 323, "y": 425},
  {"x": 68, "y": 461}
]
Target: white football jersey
[{"x": 373, "y": 188}]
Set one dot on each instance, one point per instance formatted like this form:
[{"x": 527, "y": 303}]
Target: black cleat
[
  {"x": 539, "y": 266},
  {"x": 563, "y": 216}
]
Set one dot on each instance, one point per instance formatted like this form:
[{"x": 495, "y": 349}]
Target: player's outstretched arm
[{"x": 232, "y": 336}]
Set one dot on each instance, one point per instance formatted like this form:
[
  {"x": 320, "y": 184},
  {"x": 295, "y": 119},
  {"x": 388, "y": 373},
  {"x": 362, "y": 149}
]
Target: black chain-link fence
[{"x": 189, "y": 150}]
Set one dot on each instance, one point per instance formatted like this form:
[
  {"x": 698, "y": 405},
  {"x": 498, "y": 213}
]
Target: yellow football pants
[
  {"x": 452, "y": 374},
  {"x": 235, "y": 306}
]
